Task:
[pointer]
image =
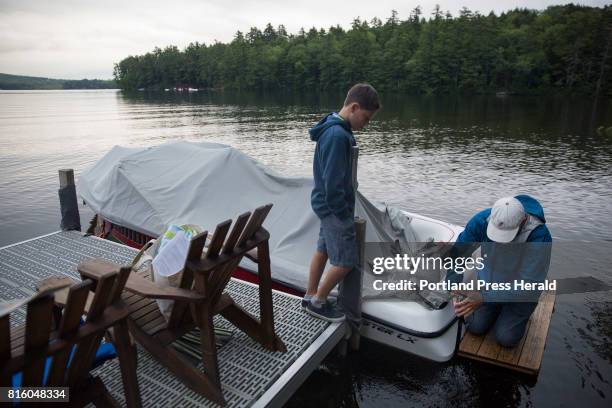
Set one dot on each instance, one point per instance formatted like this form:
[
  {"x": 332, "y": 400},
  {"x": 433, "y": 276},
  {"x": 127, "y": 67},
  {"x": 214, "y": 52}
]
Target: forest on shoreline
[
  {"x": 20, "y": 82},
  {"x": 563, "y": 49}
]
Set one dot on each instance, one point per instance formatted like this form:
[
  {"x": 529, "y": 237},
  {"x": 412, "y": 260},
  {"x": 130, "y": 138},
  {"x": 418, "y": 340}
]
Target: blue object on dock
[{"x": 105, "y": 352}]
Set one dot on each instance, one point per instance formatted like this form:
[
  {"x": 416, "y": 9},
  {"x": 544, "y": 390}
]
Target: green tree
[{"x": 560, "y": 49}]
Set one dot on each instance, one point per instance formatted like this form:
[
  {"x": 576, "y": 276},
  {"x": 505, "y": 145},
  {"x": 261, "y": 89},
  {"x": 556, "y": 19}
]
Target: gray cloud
[{"x": 77, "y": 39}]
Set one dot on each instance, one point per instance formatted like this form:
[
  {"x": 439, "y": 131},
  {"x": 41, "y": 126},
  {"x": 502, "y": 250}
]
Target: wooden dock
[
  {"x": 526, "y": 357},
  {"x": 250, "y": 374}
]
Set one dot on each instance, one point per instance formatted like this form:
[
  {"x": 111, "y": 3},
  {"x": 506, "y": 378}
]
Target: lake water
[{"x": 444, "y": 157}]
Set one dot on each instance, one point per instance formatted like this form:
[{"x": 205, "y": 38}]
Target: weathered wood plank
[
  {"x": 489, "y": 349},
  {"x": 231, "y": 241},
  {"x": 533, "y": 350},
  {"x": 38, "y": 327},
  {"x": 256, "y": 221},
  {"x": 195, "y": 252},
  {"x": 470, "y": 343},
  {"x": 527, "y": 356},
  {"x": 148, "y": 308},
  {"x": 511, "y": 355},
  {"x": 71, "y": 319},
  {"x": 218, "y": 238},
  {"x": 145, "y": 287}
]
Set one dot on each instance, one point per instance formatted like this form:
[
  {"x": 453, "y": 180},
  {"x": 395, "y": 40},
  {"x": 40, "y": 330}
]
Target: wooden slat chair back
[
  {"x": 200, "y": 297},
  {"x": 72, "y": 345}
]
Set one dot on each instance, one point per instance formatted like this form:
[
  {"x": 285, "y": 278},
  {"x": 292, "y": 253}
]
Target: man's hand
[{"x": 472, "y": 301}]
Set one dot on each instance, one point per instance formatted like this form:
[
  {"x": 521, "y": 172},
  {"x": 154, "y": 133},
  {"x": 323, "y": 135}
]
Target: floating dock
[
  {"x": 527, "y": 356},
  {"x": 250, "y": 375}
]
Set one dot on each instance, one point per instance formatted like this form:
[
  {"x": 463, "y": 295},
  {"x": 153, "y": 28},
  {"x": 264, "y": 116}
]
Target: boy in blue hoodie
[
  {"x": 333, "y": 197},
  {"x": 515, "y": 245}
]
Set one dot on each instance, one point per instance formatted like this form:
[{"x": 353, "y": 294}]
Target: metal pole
[{"x": 69, "y": 205}]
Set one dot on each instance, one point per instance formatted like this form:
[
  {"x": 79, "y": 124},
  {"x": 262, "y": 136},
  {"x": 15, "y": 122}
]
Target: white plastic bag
[{"x": 164, "y": 258}]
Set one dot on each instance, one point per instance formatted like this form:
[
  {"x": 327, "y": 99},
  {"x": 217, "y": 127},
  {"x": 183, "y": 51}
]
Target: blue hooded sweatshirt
[
  {"x": 505, "y": 263},
  {"x": 333, "y": 185}
]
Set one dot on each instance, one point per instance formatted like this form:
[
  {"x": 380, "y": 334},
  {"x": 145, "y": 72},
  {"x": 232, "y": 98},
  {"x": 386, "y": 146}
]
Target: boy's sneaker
[
  {"x": 331, "y": 302},
  {"x": 325, "y": 312}
]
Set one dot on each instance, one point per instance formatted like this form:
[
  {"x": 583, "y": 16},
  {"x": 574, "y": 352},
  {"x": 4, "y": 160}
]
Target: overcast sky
[{"x": 76, "y": 39}]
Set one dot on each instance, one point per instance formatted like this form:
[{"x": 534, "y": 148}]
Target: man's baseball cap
[{"x": 505, "y": 220}]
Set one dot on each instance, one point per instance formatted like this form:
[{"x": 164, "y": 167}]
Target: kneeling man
[{"x": 515, "y": 246}]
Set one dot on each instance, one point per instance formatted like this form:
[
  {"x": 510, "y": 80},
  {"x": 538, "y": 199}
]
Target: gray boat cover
[{"x": 148, "y": 189}]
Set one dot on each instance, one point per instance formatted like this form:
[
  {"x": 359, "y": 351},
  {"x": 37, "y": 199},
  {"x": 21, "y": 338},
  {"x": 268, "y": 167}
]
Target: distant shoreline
[
  {"x": 60, "y": 89},
  {"x": 10, "y": 82}
]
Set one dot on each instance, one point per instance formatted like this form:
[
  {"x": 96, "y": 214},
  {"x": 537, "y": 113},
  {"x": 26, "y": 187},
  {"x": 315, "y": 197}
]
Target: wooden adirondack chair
[
  {"x": 29, "y": 348},
  {"x": 200, "y": 297}
]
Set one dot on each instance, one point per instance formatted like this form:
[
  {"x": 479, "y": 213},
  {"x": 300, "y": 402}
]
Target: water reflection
[{"x": 420, "y": 152}]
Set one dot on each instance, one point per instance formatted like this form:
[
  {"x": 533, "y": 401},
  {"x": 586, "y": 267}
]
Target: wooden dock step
[{"x": 526, "y": 357}]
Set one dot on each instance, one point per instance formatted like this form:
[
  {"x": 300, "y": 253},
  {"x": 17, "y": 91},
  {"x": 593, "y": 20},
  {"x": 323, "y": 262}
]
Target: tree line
[
  {"x": 19, "y": 82},
  {"x": 563, "y": 48}
]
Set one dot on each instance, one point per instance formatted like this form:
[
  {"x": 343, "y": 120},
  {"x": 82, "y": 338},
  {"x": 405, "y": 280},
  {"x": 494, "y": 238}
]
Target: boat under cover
[{"x": 148, "y": 189}]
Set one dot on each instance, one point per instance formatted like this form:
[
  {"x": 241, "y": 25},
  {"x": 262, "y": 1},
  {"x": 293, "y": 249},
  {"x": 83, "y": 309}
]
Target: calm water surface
[{"x": 441, "y": 157}]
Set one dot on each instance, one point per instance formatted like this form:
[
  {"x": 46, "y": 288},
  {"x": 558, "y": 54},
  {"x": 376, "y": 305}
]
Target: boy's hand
[{"x": 472, "y": 300}]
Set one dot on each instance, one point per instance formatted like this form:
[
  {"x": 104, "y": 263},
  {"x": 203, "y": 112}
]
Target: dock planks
[{"x": 526, "y": 357}]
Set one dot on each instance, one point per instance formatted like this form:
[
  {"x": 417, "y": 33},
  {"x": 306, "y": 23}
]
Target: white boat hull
[
  {"x": 440, "y": 349},
  {"x": 407, "y": 325}
]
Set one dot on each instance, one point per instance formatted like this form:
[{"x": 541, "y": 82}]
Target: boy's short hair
[{"x": 365, "y": 95}]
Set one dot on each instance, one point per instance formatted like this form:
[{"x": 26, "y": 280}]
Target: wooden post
[
  {"x": 349, "y": 293},
  {"x": 354, "y": 161},
  {"x": 69, "y": 205},
  {"x": 360, "y": 229},
  {"x": 66, "y": 177}
]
